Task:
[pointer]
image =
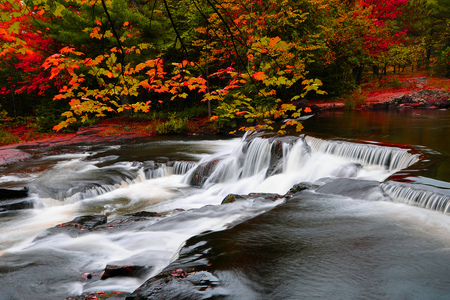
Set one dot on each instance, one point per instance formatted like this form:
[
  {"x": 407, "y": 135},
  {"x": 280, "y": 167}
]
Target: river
[{"x": 372, "y": 224}]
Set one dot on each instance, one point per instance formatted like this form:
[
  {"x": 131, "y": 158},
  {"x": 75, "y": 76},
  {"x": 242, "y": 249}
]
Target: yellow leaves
[{"x": 312, "y": 85}]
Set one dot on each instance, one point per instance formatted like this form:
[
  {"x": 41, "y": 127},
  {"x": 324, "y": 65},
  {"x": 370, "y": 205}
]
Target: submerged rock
[
  {"x": 17, "y": 204},
  {"x": 354, "y": 188},
  {"x": 76, "y": 227},
  {"x": 231, "y": 198}
]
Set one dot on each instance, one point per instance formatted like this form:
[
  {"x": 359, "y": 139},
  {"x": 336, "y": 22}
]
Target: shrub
[
  {"x": 7, "y": 138},
  {"x": 174, "y": 125}
]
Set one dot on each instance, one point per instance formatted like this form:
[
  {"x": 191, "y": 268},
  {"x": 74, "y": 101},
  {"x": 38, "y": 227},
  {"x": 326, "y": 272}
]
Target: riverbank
[{"x": 413, "y": 92}]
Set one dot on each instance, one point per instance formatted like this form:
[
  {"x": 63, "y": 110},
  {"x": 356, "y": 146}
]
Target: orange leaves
[
  {"x": 274, "y": 41},
  {"x": 95, "y": 34},
  {"x": 307, "y": 110},
  {"x": 259, "y": 76}
]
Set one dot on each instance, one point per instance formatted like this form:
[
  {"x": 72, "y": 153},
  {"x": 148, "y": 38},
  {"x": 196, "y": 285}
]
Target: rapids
[{"x": 355, "y": 233}]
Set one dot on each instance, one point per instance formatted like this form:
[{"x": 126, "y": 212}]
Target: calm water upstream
[{"x": 375, "y": 223}]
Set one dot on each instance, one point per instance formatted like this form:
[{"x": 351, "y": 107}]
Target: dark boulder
[
  {"x": 179, "y": 284},
  {"x": 202, "y": 173},
  {"x": 126, "y": 221},
  {"x": 16, "y": 204},
  {"x": 6, "y": 194},
  {"x": 301, "y": 187},
  {"x": 125, "y": 271}
]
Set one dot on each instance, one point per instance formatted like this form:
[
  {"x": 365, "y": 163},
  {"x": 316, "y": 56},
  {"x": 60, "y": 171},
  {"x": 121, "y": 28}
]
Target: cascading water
[
  {"x": 393, "y": 159},
  {"x": 185, "y": 195},
  {"x": 413, "y": 195}
]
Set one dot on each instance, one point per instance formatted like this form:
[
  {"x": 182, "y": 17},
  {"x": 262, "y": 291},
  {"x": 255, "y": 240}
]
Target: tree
[{"x": 23, "y": 49}]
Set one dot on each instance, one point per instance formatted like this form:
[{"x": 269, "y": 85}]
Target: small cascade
[
  {"x": 160, "y": 170},
  {"x": 421, "y": 197},
  {"x": 257, "y": 156},
  {"x": 92, "y": 192},
  {"x": 182, "y": 167},
  {"x": 389, "y": 158}
]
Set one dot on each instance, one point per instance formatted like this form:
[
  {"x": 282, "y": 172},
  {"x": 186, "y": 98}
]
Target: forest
[{"x": 243, "y": 63}]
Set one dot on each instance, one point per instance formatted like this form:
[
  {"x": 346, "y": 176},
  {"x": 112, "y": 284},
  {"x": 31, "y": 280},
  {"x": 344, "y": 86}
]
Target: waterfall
[
  {"x": 298, "y": 159},
  {"x": 143, "y": 173},
  {"x": 258, "y": 156},
  {"x": 389, "y": 158},
  {"x": 182, "y": 167},
  {"x": 160, "y": 170},
  {"x": 421, "y": 197}
]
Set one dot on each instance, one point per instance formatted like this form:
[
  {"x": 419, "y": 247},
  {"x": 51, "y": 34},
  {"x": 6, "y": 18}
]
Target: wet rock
[
  {"x": 354, "y": 188},
  {"x": 14, "y": 199},
  {"x": 9, "y": 155},
  {"x": 276, "y": 153},
  {"x": 231, "y": 198},
  {"x": 16, "y": 204},
  {"x": 124, "y": 271},
  {"x": 99, "y": 295},
  {"x": 76, "y": 227},
  {"x": 301, "y": 187},
  {"x": 196, "y": 285},
  {"x": 6, "y": 194},
  {"x": 86, "y": 222},
  {"x": 124, "y": 222},
  {"x": 202, "y": 172}
]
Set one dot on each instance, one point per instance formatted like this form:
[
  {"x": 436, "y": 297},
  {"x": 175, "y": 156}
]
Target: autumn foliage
[{"x": 251, "y": 61}]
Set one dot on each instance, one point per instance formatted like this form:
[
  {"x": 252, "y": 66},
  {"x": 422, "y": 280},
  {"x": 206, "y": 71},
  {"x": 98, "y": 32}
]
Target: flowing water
[{"x": 374, "y": 223}]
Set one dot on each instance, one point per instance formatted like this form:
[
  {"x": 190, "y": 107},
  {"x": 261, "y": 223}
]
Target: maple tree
[
  {"x": 23, "y": 49},
  {"x": 256, "y": 58}
]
